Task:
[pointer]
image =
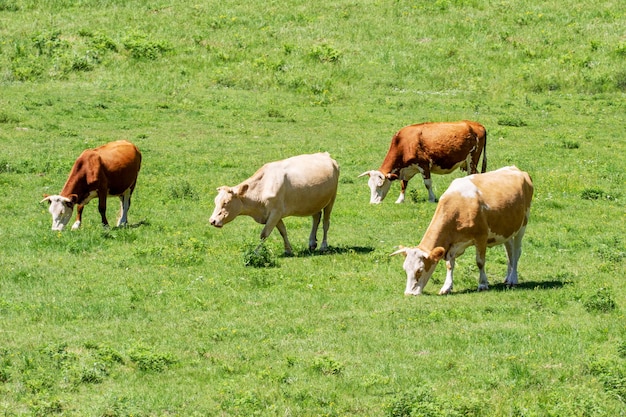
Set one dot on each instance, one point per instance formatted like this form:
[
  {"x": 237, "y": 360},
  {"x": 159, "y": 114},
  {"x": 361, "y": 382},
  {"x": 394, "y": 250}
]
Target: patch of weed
[
  {"x": 570, "y": 144},
  {"x": 602, "y": 301},
  {"x": 325, "y": 52},
  {"x": 141, "y": 47},
  {"x": 612, "y": 374},
  {"x": 327, "y": 365},
  {"x": 592, "y": 194},
  {"x": 417, "y": 402},
  {"x": 6, "y": 118},
  {"x": 513, "y": 121},
  {"x": 9, "y": 6},
  {"x": 149, "y": 360},
  {"x": 181, "y": 190},
  {"x": 259, "y": 256}
]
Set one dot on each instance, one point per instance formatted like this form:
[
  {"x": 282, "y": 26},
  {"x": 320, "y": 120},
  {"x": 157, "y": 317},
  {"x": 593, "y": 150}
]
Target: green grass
[{"x": 163, "y": 317}]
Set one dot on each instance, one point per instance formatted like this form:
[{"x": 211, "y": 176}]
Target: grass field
[{"x": 162, "y": 318}]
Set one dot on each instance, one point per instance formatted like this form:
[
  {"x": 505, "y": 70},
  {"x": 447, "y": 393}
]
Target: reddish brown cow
[
  {"x": 429, "y": 148},
  {"x": 110, "y": 169}
]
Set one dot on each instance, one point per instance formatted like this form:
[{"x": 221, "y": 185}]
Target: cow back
[
  {"x": 498, "y": 201},
  {"x": 441, "y": 146},
  {"x": 121, "y": 162},
  {"x": 297, "y": 186}
]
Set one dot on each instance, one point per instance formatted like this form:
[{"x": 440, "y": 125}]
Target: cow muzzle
[{"x": 216, "y": 223}]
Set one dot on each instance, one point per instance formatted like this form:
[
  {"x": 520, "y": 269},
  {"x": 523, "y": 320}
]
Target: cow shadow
[
  {"x": 140, "y": 223},
  {"x": 332, "y": 250},
  {"x": 521, "y": 286}
]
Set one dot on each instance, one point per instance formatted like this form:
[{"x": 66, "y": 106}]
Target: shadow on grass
[
  {"x": 333, "y": 250},
  {"x": 138, "y": 224},
  {"x": 521, "y": 286}
]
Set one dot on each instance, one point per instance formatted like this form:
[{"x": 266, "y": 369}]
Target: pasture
[{"x": 162, "y": 318}]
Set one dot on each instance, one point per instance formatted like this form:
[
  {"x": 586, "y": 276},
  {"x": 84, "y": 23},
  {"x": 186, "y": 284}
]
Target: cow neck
[
  {"x": 389, "y": 164},
  {"x": 435, "y": 236},
  {"x": 251, "y": 198},
  {"x": 75, "y": 185}
]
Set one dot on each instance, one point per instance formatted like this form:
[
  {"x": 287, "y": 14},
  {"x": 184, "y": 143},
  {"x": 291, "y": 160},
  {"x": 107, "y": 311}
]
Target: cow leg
[
  {"x": 428, "y": 183},
  {"x": 472, "y": 160},
  {"x": 313, "y": 237},
  {"x": 102, "y": 208},
  {"x": 275, "y": 221},
  {"x": 403, "y": 184},
  {"x": 283, "y": 232},
  {"x": 327, "y": 210},
  {"x": 125, "y": 205},
  {"x": 513, "y": 252},
  {"x": 448, "y": 284},
  {"x": 481, "y": 253},
  {"x": 79, "y": 216},
  {"x": 510, "y": 256}
]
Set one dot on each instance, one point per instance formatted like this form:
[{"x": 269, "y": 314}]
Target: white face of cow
[
  {"x": 228, "y": 205},
  {"x": 419, "y": 266},
  {"x": 379, "y": 186},
  {"x": 61, "y": 209}
]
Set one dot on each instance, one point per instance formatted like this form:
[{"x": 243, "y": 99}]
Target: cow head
[
  {"x": 228, "y": 205},
  {"x": 379, "y": 184},
  {"x": 419, "y": 266},
  {"x": 61, "y": 209}
]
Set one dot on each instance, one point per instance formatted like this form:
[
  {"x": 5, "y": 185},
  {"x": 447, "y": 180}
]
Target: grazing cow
[
  {"x": 110, "y": 169},
  {"x": 303, "y": 185},
  {"x": 483, "y": 210},
  {"x": 428, "y": 148}
]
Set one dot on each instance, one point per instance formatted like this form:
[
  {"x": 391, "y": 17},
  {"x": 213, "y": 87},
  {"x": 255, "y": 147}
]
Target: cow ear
[
  {"x": 241, "y": 190},
  {"x": 364, "y": 174},
  {"x": 73, "y": 199},
  {"x": 392, "y": 177},
  {"x": 437, "y": 253}
]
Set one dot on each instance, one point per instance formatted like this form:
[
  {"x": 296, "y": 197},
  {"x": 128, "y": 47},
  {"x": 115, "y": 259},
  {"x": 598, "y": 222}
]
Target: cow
[
  {"x": 428, "y": 148},
  {"x": 303, "y": 185},
  {"x": 108, "y": 170},
  {"x": 483, "y": 210}
]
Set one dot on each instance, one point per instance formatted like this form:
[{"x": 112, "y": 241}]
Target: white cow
[
  {"x": 483, "y": 210},
  {"x": 303, "y": 185}
]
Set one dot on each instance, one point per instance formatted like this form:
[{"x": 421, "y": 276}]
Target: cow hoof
[
  {"x": 445, "y": 292},
  {"x": 483, "y": 287}
]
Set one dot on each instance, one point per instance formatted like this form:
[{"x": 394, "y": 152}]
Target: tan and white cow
[
  {"x": 304, "y": 185},
  {"x": 481, "y": 210},
  {"x": 108, "y": 170},
  {"x": 428, "y": 148}
]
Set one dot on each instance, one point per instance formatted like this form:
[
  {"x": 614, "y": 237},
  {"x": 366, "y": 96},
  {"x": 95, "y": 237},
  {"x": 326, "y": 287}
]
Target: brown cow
[
  {"x": 481, "y": 210},
  {"x": 429, "y": 148},
  {"x": 109, "y": 170}
]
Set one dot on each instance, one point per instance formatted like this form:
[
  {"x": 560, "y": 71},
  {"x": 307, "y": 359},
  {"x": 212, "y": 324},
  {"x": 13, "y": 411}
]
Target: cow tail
[{"x": 484, "y": 166}]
